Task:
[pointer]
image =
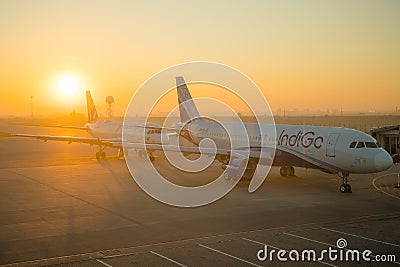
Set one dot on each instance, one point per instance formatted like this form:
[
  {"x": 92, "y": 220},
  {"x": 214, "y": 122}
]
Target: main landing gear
[
  {"x": 345, "y": 187},
  {"x": 287, "y": 170},
  {"x": 151, "y": 157},
  {"x": 120, "y": 154},
  {"x": 101, "y": 154},
  {"x": 143, "y": 153}
]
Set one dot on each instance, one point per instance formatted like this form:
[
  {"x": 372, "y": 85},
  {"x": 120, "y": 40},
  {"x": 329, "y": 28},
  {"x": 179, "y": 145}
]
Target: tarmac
[{"x": 60, "y": 206}]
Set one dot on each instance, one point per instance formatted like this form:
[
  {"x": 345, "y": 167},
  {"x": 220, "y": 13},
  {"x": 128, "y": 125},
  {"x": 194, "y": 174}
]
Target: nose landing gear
[{"x": 345, "y": 187}]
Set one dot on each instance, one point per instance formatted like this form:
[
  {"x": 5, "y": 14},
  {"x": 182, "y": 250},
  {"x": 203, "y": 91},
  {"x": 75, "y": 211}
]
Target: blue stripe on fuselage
[
  {"x": 325, "y": 164},
  {"x": 296, "y": 158}
]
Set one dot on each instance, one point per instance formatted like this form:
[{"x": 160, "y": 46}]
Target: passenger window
[
  {"x": 360, "y": 145},
  {"x": 371, "y": 145},
  {"x": 353, "y": 144}
]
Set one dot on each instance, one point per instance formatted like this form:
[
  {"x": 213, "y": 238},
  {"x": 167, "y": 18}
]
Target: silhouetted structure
[{"x": 389, "y": 138}]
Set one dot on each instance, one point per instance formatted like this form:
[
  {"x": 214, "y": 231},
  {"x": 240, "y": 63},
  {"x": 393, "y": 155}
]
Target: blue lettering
[{"x": 300, "y": 139}]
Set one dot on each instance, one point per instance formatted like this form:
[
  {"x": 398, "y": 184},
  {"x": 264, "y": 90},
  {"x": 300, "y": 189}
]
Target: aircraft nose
[{"x": 383, "y": 161}]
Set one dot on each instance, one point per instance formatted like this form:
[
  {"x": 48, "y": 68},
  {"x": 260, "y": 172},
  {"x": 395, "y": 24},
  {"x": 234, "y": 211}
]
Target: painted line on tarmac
[
  {"x": 168, "y": 259},
  {"x": 229, "y": 255},
  {"x": 379, "y": 189},
  {"x": 309, "y": 239},
  {"x": 260, "y": 243},
  {"x": 100, "y": 254},
  {"x": 104, "y": 263},
  {"x": 363, "y": 237}
]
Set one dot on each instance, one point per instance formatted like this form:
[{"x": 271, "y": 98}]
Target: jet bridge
[{"x": 388, "y": 137}]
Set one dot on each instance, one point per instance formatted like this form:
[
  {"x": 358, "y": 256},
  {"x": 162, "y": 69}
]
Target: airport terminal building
[{"x": 389, "y": 138}]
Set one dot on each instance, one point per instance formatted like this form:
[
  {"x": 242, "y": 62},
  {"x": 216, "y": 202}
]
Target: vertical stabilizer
[
  {"x": 91, "y": 108},
  {"x": 187, "y": 108}
]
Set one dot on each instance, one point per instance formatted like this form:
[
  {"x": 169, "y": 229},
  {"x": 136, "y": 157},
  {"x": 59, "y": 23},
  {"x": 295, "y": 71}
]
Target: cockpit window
[
  {"x": 371, "y": 145},
  {"x": 364, "y": 144},
  {"x": 360, "y": 145}
]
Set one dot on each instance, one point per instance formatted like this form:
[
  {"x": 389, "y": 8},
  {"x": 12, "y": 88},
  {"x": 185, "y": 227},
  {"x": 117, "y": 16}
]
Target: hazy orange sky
[{"x": 302, "y": 54}]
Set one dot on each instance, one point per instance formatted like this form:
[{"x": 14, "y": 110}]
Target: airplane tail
[
  {"x": 187, "y": 108},
  {"x": 91, "y": 108}
]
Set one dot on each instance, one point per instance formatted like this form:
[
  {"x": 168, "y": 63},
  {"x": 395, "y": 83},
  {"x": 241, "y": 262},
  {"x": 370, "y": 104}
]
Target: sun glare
[{"x": 68, "y": 85}]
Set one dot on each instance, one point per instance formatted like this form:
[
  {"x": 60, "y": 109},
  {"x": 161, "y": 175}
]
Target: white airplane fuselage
[
  {"x": 318, "y": 147},
  {"x": 136, "y": 131}
]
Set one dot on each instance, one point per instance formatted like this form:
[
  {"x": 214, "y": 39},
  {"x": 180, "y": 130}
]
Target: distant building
[{"x": 389, "y": 138}]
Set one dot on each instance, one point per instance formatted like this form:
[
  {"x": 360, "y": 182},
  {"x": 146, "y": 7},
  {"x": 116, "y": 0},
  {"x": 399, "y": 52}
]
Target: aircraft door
[{"x": 331, "y": 144}]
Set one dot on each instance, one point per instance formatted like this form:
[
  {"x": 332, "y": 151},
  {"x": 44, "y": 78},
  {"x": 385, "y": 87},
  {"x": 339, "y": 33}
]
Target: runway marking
[
  {"x": 327, "y": 244},
  {"x": 382, "y": 191},
  {"x": 104, "y": 263},
  {"x": 254, "y": 241},
  {"x": 168, "y": 259},
  {"x": 90, "y": 255},
  {"x": 229, "y": 255},
  {"x": 309, "y": 239},
  {"x": 363, "y": 237}
]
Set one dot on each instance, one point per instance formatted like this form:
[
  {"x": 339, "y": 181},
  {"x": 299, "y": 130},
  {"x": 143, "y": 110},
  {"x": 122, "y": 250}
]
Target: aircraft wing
[
  {"x": 72, "y": 127},
  {"x": 69, "y": 139},
  {"x": 237, "y": 159},
  {"x": 197, "y": 150},
  {"x": 156, "y": 127}
]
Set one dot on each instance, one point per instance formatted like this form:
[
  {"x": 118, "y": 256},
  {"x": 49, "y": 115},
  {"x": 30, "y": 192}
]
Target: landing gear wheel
[
  {"x": 290, "y": 170},
  {"x": 98, "y": 155},
  {"x": 283, "y": 171},
  {"x": 287, "y": 170},
  {"x": 103, "y": 155},
  {"x": 343, "y": 188},
  {"x": 348, "y": 188}
]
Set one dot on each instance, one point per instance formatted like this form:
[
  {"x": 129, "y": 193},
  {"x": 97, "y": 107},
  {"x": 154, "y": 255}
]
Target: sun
[{"x": 68, "y": 85}]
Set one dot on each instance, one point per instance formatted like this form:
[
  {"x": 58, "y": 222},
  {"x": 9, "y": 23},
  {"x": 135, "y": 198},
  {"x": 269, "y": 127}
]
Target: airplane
[
  {"x": 107, "y": 133},
  {"x": 329, "y": 149}
]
